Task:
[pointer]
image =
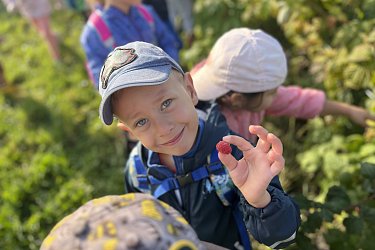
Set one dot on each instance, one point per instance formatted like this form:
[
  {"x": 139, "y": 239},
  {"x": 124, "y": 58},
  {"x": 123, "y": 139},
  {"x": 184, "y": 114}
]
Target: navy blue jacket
[{"x": 202, "y": 205}]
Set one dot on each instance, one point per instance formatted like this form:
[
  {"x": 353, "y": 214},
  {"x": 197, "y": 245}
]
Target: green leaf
[
  {"x": 368, "y": 170},
  {"x": 337, "y": 199},
  {"x": 346, "y": 179},
  {"x": 327, "y": 215},
  {"x": 313, "y": 223},
  {"x": 368, "y": 214},
  {"x": 362, "y": 53},
  {"x": 371, "y": 37},
  {"x": 304, "y": 242},
  {"x": 335, "y": 239},
  {"x": 303, "y": 202},
  {"x": 353, "y": 225}
]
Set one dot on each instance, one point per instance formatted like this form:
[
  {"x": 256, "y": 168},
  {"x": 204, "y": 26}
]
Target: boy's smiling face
[{"x": 162, "y": 117}]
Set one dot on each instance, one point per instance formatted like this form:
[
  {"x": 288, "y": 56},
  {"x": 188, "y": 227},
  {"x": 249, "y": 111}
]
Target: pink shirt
[{"x": 291, "y": 101}]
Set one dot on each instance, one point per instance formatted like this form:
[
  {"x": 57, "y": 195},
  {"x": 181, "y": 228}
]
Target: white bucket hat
[{"x": 242, "y": 60}]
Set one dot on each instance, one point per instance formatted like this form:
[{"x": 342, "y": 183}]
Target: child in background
[
  {"x": 119, "y": 23},
  {"x": 176, "y": 160},
  {"x": 80, "y": 7},
  {"x": 38, "y": 13},
  {"x": 161, "y": 8},
  {"x": 244, "y": 73},
  {"x": 181, "y": 15},
  {"x": 126, "y": 222}
]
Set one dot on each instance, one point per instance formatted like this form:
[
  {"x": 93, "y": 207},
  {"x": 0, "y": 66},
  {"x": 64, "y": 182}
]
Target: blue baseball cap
[{"x": 134, "y": 64}]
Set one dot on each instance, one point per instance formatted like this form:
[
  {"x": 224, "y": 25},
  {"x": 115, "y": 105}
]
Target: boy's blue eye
[
  {"x": 141, "y": 123},
  {"x": 166, "y": 104}
]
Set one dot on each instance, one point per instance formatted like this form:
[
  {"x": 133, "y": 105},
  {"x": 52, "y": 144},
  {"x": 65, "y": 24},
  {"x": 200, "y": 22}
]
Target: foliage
[
  {"x": 330, "y": 46},
  {"x": 55, "y": 154}
]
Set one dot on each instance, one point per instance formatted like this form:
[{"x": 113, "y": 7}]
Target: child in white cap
[
  {"x": 222, "y": 196},
  {"x": 244, "y": 73}
]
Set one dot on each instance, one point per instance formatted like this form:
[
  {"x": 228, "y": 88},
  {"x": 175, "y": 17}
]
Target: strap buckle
[{"x": 183, "y": 180}]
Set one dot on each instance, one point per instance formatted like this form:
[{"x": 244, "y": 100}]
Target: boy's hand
[{"x": 253, "y": 173}]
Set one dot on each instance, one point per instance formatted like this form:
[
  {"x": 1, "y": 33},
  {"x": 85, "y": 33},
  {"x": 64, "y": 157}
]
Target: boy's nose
[{"x": 164, "y": 127}]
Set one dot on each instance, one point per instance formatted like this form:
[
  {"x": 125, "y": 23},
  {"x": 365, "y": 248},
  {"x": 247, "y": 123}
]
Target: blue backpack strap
[
  {"x": 172, "y": 183},
  {"x": 141, "y": 173},
  {"x": 163, "y": 186},
  {"x": 233, "y": 200},
  {"x": 238, "y": 216},
  {"x": 244, "y": 235},
  {"x": 102, "y": 29}
]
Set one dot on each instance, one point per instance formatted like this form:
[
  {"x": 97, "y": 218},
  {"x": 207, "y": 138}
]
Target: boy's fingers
[
  {"x": 228, "y": 160},
  {"x": 273, "y": 156},
  {"x": 277, "y": 166},
  {"x": 276, "y": 143},
  {"x": 258, "y": 130},
  {"x": 239, "y": 142},
  {"x": 263, "y": 144}
]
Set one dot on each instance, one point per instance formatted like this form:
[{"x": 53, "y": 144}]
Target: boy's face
[{"x": 162, "y": 117}]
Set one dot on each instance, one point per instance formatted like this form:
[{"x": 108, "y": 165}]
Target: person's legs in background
[
  {"x": 42, "y": 24},
  {"x": 38, "y": 12}
]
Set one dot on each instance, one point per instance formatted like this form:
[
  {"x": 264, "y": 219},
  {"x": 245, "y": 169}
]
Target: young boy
[{"x": 177, "y": 162}]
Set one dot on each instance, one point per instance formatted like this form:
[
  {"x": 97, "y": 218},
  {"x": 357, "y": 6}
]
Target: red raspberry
[{"x": 223, "y": 147}]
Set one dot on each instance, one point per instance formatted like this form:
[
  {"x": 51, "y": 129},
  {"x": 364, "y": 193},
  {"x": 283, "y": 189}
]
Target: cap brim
[
  {"x": 136, "y": 78},
  {"x": 206, "y": 83}
]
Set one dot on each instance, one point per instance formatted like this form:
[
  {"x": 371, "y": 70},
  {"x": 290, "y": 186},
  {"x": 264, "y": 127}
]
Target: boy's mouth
[{"x": 175, "y": 139}]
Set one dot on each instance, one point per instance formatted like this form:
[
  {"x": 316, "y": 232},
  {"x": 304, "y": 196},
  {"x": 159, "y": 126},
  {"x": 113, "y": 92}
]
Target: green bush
[
  {"x": 330, "y": 46},
  {"x": 55, "y": 154}
]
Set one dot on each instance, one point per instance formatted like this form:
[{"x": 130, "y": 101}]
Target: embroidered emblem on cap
[{"x": 119, "y": 58}]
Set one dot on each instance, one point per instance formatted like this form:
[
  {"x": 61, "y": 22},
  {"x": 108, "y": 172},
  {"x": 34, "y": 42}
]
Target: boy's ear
[
  {"x": 190, "y": 87},
  {"x": 122, "y": 126}
]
